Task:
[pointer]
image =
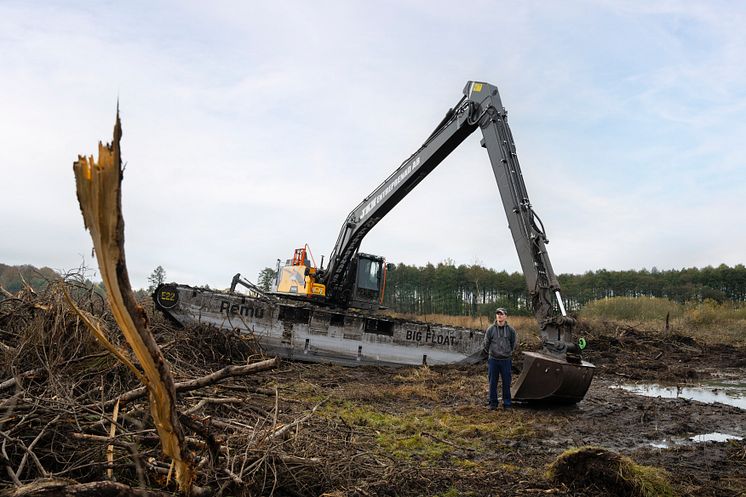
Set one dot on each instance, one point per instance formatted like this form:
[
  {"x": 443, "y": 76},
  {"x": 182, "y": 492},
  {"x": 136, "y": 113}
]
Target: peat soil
[{"x": 409, "y": 412}]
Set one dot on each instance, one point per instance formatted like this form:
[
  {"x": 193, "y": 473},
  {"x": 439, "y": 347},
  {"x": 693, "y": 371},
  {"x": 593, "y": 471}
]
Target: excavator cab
[
  {"x": 300, "y": 277},
  {"x": 370, "y": 281}
]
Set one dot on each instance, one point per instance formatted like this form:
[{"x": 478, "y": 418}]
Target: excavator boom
[{"x": 558, "y": 372}]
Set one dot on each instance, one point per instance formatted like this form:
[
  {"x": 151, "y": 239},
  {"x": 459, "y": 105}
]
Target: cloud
[{"x": 250, "y": 129}]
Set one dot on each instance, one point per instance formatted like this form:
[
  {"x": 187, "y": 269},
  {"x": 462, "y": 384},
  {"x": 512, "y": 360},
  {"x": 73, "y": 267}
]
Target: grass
[
  {"x": 431, "y": 435},
  {"x": 707, "y": 321},
  {"x": 414, "y": 433}
]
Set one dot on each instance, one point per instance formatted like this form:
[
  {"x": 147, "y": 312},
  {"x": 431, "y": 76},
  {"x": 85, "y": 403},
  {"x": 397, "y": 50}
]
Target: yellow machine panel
[{"x": 293, "y": 279}]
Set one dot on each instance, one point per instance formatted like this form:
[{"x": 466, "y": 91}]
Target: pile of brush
[{"x": 75, "y": 421}]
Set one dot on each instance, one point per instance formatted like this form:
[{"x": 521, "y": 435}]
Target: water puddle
[
  {"x": 662, "y": 445},
  {"x": 730, "y": 392},
  {"x": 723, "y": 391},
  {"x": 705, "y": 437},
  {"x": 714, "y": 437}
]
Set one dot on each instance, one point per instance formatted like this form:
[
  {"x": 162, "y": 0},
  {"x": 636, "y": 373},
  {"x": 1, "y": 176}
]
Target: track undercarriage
[
  {"x": 297, "y": 330},
  {"x": 294, "y": 329}
]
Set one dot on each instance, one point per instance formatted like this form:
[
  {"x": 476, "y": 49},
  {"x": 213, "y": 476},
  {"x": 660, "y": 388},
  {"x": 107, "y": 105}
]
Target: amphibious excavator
[{"x": 328, "y": 314}]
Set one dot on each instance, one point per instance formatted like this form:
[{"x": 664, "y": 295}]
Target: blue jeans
[{"x": 495, "y": 369}]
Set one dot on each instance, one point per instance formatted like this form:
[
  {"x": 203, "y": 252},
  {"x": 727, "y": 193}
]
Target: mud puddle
[
  {"x": 704, "y": 437},
  {"x": 728, "y": 392}
]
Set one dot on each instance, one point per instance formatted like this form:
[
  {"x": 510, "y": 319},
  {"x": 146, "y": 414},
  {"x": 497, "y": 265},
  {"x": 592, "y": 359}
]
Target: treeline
[
  {"x": 475, "y": 290},
  {"x": 14, "y": 278},
  {"x": 472, "y": 290}
]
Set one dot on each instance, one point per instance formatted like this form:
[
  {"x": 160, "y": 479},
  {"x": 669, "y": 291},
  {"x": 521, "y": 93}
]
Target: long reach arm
[{"x": 480, "y": 107}]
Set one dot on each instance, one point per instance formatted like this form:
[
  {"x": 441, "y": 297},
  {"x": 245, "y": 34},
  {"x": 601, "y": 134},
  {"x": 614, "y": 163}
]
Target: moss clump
[{"x": 615, "y": 474}]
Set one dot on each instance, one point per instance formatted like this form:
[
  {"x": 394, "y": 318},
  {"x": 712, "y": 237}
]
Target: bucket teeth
[{"x": 550, "y": 379}]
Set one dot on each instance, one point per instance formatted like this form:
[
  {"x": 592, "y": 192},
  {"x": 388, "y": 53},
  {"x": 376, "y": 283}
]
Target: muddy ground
[
  {"x": 316, "y": 429},
  {"x": 434, "y": 421}
]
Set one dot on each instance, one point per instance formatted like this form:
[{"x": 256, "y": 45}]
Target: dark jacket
[{"x": 499, "y": 341}]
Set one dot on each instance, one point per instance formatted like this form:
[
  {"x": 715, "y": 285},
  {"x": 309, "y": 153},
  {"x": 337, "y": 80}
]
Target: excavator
[{"x": 317, "y": 313}]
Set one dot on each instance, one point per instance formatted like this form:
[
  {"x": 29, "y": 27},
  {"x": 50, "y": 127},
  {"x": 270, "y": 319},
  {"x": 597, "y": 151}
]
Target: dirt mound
[
  {"x": 644, "y": 354},
  {"x": 600, "y": 470}
]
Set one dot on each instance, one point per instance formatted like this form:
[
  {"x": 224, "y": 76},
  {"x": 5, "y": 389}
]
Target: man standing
[{"x": 498, "y": 345}]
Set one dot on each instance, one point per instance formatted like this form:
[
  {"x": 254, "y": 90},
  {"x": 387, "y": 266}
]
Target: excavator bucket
[{"x": 550, "y": 379}]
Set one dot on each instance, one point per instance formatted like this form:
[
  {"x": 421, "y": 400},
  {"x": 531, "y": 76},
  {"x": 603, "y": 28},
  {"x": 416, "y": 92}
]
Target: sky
[{"x": 253, "y": 128}]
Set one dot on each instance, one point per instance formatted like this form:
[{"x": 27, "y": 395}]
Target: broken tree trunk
[{"x": 99, "y": 194}]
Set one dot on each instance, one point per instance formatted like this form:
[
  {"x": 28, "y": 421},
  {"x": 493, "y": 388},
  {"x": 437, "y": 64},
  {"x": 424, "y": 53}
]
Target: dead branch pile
[{"x": 75, "y": 421}]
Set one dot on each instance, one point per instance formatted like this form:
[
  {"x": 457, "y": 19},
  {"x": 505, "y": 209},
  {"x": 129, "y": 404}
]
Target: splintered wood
[{"x": 99, "y": 195}]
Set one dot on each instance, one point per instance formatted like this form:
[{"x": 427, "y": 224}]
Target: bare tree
[{"x": 157, "y": 277}]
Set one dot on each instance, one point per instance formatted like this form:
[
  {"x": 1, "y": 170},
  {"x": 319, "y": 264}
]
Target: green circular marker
[{"x": 582, "y": 343}]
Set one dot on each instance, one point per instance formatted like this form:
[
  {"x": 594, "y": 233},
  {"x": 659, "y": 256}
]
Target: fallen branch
[
  {"x": 68, "y": 488},
  {"x": 204, "y": 381},
  {"x": 214, "y": 400},
  {"x": 31, "y": 448},
  {"x": 438, "y": 439},
  {"x": 26, "y": 374},
  {"x": 227, "y": 372},
  {"x": 26, "y": 451},
  {"x": 8, "y": 467},
  {"x": 110, "y": 447},
  {"x": 284, "y": 429}
]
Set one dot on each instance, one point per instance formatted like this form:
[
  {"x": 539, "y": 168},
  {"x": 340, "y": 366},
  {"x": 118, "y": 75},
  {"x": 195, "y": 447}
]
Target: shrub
[
  {"x": 711, "y": 312},
  {"x": 632, "y": 309}
]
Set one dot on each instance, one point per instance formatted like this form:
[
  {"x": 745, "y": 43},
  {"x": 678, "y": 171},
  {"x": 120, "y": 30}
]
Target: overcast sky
[{"x": 251, "y": 128}]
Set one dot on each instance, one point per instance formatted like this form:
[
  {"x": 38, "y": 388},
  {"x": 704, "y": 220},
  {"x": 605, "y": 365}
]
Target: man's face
[{"x": 501, "y": 317}]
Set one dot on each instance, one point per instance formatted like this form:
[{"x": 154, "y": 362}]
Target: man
[{"x": 498, "y": 345}]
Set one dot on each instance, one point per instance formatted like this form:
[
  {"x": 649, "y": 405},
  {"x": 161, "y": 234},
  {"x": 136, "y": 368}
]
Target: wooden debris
[{"x": 99, "y": 195}]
